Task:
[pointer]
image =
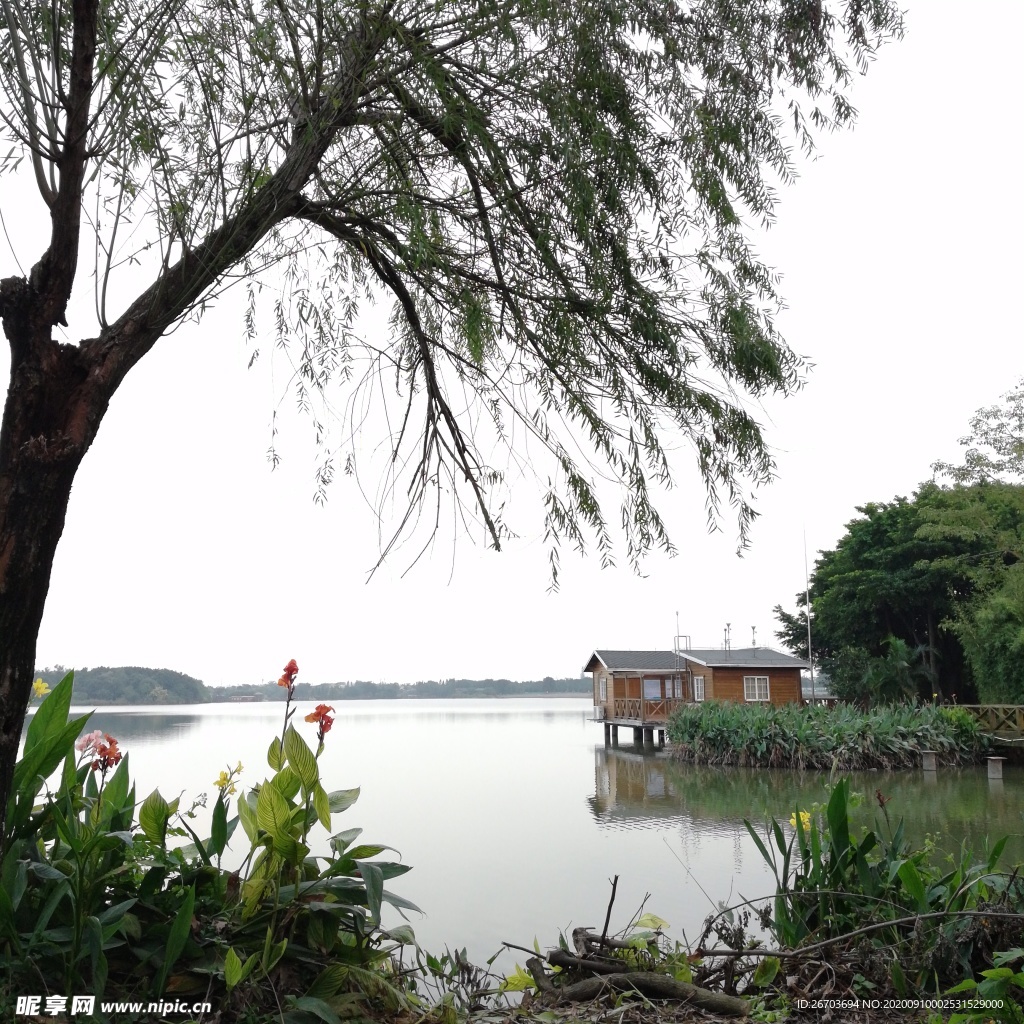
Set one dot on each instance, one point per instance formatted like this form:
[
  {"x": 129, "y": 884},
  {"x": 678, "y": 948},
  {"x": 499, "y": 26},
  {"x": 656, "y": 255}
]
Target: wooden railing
[
  {"x": 645, "y": 710},
  {"x": 627, "y": 707},
  {"x": 998, "y": 718}
]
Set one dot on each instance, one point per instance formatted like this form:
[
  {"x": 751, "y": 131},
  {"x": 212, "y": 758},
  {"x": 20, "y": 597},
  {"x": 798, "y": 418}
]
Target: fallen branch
[{"x": 654, "y": 986}]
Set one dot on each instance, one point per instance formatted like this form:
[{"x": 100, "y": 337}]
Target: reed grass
[{"x": 843, "y": 738}]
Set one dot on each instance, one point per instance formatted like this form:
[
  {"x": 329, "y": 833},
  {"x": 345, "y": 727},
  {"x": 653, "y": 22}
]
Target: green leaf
[
  {"x": 274, "y": 757},
  {"x": 322, "y": 804},
  {"x": 301, "y": 758},
  {"x": 520, "y": 980},
  {"x": 153, "y": 817},
  {"x": 247, "y": 815},
  {"x": 911, "y": 879},
  {"x": 273, "y": 812},
  {"x": 342, "y": 799},
  {"x": 766, "y": 971},
  {"x": 232, "y": 969},
  {"x": 341, "y": 840},
  {"x": 374, "y": 879},
  {"x": 316, "y": 1007},
  {"x": 651, "y": 921},
  {"x": 52, "y": 714},
  {"x": 219, "y": 826},
  {"x": 286, "y": 782},
  {"x": 176, "y": 939}
]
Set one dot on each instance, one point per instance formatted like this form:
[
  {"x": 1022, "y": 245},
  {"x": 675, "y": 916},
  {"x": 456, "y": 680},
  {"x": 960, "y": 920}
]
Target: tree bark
[{"x": 54, "y": 407}]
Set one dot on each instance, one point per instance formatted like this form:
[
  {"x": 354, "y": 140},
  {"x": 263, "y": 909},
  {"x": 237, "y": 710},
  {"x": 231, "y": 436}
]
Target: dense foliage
[
  {"x": 888, "y": 917},
  {"x": 842, "y": 738},
  {"x": 921, "y": 596},
  {"x": 122, "y": 899},
  {"x": 131, "y": 685}
]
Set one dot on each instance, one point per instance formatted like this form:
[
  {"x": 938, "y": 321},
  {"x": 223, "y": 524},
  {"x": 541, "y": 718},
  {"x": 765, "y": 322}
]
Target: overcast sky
[{"x": 900, "y": 248}]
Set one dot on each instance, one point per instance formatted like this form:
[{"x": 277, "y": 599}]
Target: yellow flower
[
  {"x": 39, "y": 688},
  {"x": 805, "y": 820}
]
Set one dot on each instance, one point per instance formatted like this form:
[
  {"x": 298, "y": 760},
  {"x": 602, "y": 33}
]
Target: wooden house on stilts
[{"x": 640, "y": 689}]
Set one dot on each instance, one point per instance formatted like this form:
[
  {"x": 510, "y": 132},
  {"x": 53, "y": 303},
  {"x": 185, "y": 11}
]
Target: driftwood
[{"x": 647, "y": 983}]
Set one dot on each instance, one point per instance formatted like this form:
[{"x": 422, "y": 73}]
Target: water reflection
[{"x": 639, "y": 788}]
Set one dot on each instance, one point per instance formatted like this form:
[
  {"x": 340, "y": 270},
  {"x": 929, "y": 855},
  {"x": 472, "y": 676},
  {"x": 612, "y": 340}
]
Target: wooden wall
[{"x": 783, "y": 684}]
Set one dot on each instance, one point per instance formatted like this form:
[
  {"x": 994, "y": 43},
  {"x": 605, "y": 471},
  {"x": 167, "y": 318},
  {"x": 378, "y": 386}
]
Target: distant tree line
[
  {"x": 362, "y": 689},
  {"x": 130, "y": 685},
  {"x": 134, "y": 685}
]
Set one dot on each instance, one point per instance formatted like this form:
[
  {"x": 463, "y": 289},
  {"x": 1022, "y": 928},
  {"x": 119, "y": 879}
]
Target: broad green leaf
[
  {"x": 219, "y": 826},
  {"x": 301, "y": 758},
  {"x": 911, "y": 879},
  {"x": 342, "y": 799},
  {"x": 232, "y": 969},
  {"x": 341, "y": 840},
  {"x": 52, "y": 714},
  {"x": 374, "y": 887},
  {"x": 315, "y": 1007},
  {"x": 273, "y": 812},
  {"x": 651, "y": 921},
  {"x": 766, "y": 971},
  {"x": 286, "y": 782},
  {"x": 176, "y": 939},
  {"x": 247, "y": 815},
  {"x": 274, "y": 758},
  {"x": 322, "y": 804},
  {"x": 153, "y": 817}
]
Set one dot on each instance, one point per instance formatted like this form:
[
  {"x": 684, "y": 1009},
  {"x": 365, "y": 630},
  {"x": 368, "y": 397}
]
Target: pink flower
[{"x": 90, "y": 741}]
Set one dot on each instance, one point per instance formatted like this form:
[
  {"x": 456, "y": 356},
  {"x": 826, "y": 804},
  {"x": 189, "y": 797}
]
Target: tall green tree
[
  {"x": 911, "y": 572},
  {"x": 554, "y": 196},
  {"x": 995, "y": 445}
]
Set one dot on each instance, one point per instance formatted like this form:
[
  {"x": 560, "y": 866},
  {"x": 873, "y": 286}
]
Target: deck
[
  {"x": 646, "y": 717},
  {"x": 1003, "y": 721}
]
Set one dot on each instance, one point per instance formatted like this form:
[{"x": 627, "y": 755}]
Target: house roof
[{"x": 669, "y": 661}]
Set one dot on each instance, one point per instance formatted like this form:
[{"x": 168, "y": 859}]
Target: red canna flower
[
  {"x": 323, "y": 720},
  {"x": 107, "y": 755},
  {"x": 291, "y": 670}
]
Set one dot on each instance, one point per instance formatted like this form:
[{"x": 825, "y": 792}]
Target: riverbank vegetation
[
  {"x": 117, "y": 896},
  {"x": 842, "y": 738},
  {"x": 925, "y": 595},
  {"x": 124, "y": 898},
  {"x": 860, "y": 921},
  {"x": 134, "y": 685}
]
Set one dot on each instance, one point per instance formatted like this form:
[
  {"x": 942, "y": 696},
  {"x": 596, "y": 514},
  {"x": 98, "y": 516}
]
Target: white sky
[{"x": 900, "y": 248}]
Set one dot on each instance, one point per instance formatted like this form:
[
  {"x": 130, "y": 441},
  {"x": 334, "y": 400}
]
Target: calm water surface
[{"x": 515, "y": 816}]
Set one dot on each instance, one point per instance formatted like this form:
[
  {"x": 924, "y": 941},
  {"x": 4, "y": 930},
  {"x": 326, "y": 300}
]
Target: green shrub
[
  {"x": 95, "y": 899},
  {"x": 908, "y": 919},
  {"x": 842, "y": 738}
]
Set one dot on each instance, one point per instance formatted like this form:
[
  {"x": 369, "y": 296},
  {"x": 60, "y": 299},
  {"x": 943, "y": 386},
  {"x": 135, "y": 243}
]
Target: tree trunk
[{"x": 53, "y": 409}]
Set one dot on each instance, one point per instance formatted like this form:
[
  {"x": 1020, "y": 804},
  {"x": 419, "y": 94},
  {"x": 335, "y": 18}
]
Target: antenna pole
[{"x": 807, "y": 610}]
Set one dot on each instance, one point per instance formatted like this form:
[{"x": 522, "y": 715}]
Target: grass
[{"x": 843, "y": 738}]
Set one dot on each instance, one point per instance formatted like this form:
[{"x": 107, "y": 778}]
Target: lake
[{"x": 515, "y": 816}]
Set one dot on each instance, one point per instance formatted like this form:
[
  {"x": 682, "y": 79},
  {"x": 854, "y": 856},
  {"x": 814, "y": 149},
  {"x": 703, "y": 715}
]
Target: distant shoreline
[{"x": 233, "y": 701}]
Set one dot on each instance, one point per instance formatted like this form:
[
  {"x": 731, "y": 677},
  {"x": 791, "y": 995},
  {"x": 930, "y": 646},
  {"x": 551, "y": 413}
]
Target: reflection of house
[{"x": 642, "y": 688}]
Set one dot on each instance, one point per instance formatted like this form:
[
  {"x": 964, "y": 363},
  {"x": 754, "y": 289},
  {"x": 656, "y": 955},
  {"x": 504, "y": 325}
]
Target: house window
[
  {"x": 652, "y": 689},
  {"x": 698, "y": 687},
  {"x": 677, "y": 687},
  {"x": 755, "y": 688},
  {"x": 602, "y": 687}
]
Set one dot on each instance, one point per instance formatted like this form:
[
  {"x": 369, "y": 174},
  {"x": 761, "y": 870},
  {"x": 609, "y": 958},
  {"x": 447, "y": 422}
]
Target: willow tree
[{"x": 554, "y": 195}]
